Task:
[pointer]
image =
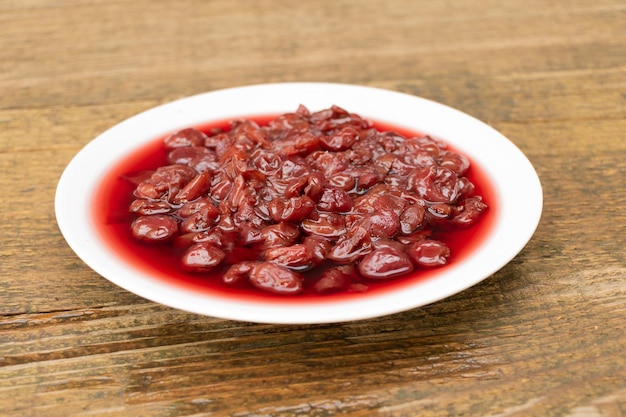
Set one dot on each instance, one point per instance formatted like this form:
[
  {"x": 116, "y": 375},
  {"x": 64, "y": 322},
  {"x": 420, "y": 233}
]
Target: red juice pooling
[{"x": 163, "y": 261}]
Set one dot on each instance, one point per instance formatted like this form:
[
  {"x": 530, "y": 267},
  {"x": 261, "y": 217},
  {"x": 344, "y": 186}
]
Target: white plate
[{"x": 516, "y": 200}]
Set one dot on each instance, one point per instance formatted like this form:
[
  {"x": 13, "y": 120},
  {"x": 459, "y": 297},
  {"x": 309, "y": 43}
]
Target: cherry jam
[{"x": 117, "y": 191}]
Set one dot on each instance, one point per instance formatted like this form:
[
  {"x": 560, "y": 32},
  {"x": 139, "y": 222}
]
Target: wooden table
[{"x": 544, "y": 336}]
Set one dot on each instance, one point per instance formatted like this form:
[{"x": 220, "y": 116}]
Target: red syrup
[{"x": 112, "y": 219}]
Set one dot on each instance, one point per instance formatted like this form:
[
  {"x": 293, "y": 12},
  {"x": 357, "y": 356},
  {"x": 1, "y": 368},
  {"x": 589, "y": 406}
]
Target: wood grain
[{"x": 544, "y": 336}]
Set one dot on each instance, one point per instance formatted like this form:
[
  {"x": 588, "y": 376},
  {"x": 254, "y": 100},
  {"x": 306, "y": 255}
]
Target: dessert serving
[
  {"x": 320, "y": 199},
  {"x": 298, "y": 203}
]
